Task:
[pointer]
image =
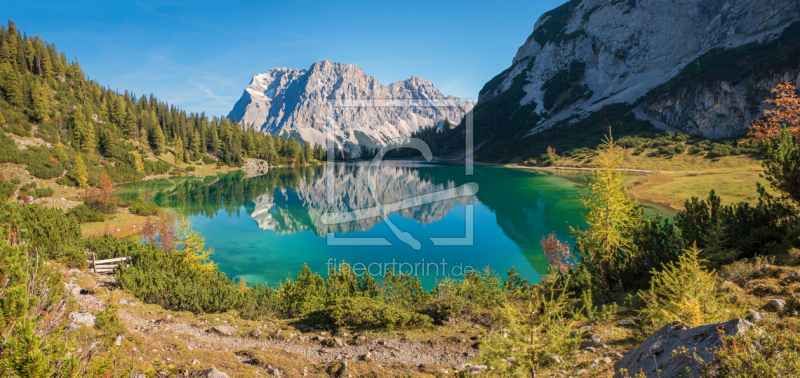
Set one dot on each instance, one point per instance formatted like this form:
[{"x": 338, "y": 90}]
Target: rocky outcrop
[
  {"x": 292, "y": 102},
  {"x": 254, "y": 167},
  {"x": 223, "y": 330},
  {"x": 588, "y": 54},
  {"x": 82, "y": 317},
  {"x": 719, "y": 111},
  {"x": 654, "y": 356}
]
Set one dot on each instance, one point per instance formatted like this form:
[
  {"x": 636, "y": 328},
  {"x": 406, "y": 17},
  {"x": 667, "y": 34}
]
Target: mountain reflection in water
[{"x": 266, "y": 227}]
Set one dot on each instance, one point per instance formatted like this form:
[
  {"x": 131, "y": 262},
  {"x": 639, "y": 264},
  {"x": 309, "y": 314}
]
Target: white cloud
[{"x": 211, "y": 94}]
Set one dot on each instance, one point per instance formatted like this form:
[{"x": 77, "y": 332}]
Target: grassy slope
[{"x": 683, "y": 176}]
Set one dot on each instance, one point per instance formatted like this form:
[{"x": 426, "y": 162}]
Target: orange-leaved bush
[
  {"x": 557, "y": 253},
  {"x": 785, "y": 114}
]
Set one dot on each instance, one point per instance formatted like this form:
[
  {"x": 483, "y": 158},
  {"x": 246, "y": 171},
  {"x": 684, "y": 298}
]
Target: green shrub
[
  {"x": 361, "y": 312},
  {"x": 742, "y": 271},
  {"x": 156, "y": 168},
  {"x": 48, "y": 230},
  {"x": 448, "y": 309},
  {"x": 720, "y": 150},
  {"x": 208, "y": 160},
  {"x": 84, "y": 214},
  {"x": 43, "y": 192},
  {"x": 757, "y": 353},
  {"x": 107, "y": 321},
  {"x": 191, "y": 168},
  {"x": 144, "y": 208},
  {"x": 168, "y": 280},
  {"x": 32, "y": 293},
  {"x": 7, "y": 190},
  {"x": 124, "y": 172},
  {"x": 748, "y": 229},
  {"x": 680, "y": 148}
]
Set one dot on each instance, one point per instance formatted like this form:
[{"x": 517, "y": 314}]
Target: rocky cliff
[
  {"x": 701, "y": 66},
  {"x": 291, "y": 102}
]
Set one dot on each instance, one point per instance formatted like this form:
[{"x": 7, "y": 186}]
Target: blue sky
[{"x": 201, "y": 55}]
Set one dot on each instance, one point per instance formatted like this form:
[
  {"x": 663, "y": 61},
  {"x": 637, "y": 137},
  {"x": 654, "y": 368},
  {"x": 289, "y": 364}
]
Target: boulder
[
  {"x": 213, "y": 373},
  {"x": 627, "y": 322},
  {"x": 73, "y": 289},
  {"x": 122, "y": 302},
  {"x": 477, "y": 369},
  {"x": 82, "y": 317},
  {"x": 777, "y": 304},
  {"x": 756, "y": 316},
  {"x": 223, "y": 330},
  {"x": 653, "y": 356},
  {"x": 794, "y": 276},
  {"x": 554, "y": 358}
]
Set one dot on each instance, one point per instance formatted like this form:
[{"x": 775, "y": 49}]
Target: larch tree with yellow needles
[
  {"x": 193, "y": 246},
  {"x": 606, "y": 240}
]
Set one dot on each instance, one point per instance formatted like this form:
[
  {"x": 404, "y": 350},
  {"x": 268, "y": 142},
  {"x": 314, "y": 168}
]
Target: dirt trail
[{"x": 383, "y": 350}]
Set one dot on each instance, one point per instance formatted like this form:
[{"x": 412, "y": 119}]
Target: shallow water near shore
[{"x": 434, "y": 221}]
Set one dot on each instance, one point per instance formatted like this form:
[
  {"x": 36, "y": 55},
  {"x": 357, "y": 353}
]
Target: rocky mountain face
[
  {"x": 292, "y": 102},
  {"x": 700, "y": 66}
]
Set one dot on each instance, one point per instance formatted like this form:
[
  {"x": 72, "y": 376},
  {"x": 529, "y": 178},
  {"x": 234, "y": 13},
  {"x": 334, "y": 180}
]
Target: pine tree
[
  {"x": 213, "y": 141},
  {"x": 137, "y": 162},
  {"x": 715, "y": 239},
  {"x": 40, "y": 104},
  {"x": 130, "y": 126},
  {"x": 107, "y": 142},
  {"x": 308, "y": 152},
  {"x": 79, "y": 171},
  {"x": 83, "y": 131},
  {"x": 195, "y": 142},
  {"x": 180, "y": 152},
  {"x": 144, "y": 138},
  {"x": 89, "y": 141},
  {"x": 157, "y": 140},
  {"x": 12, "y": 85},
  {"x": 5, "y": 52},
  {"x": 30, "y": 55}
]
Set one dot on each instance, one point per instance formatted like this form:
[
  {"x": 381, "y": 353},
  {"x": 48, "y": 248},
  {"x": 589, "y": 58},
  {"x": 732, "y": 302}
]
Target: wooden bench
[{"x": 107, "y": 266}]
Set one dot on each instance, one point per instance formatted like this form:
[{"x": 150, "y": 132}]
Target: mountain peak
[{"x": 292, "y": 102}]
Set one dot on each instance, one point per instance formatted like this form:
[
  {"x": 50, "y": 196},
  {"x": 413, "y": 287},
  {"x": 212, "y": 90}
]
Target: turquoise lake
[{"x": 265, "y": 227}]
